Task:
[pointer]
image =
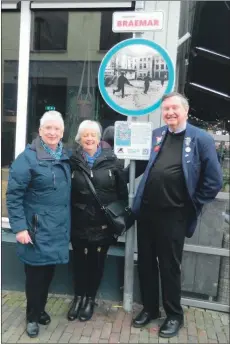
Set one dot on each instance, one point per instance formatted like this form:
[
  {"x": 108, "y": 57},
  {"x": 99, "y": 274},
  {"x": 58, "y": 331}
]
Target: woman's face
[
  {"x": 89, "y": 140},
  {"x": 51, "y": 133}
]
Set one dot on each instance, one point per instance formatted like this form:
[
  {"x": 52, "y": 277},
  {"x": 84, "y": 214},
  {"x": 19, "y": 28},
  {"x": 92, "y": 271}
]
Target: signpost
[
  {"x": 132, "y": 78},
  {"x": 137, "y": 21}
]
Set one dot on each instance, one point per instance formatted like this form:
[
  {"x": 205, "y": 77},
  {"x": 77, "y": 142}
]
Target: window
[
  {"x": 108, "y": 38},
  {"x": 10, "y": 44},
  {"x": 144, "y": 59},
  {"x": 140, "y": 66},
  {"x": 149, "y": 58},
  {"x": 157, "y": 66},
  {"x": 140, "y": 59},
  {"x": 162, "y": 66},
  {"x": 50, "y": 30},
  {"x": 144, "y": 65}
]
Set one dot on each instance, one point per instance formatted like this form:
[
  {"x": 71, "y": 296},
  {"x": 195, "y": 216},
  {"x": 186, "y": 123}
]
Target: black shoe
[
  {"x": 143, "y": 318},
  {"x": 87, "y": 309},
  {"x": 75, "y": 308},
  {"x": 170, "y": 327},
  {"x": 44, "y": 318},
  {"x": 32, "y": 329}
]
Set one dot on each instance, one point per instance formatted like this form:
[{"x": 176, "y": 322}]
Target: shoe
[
  {"x": 143, "y": 318},
  {"x": 32, "y": 329},
  {"x": 170, "y": 327},
  {"x": 44, "y": 318},
  {"x": 75, "y": 308},
  {"x": 87, "y": 309}
]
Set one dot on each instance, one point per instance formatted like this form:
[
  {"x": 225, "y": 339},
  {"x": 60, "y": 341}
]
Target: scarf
[
  {"x": 90, "y": 159},
  {"x": 55, "y": 154}
]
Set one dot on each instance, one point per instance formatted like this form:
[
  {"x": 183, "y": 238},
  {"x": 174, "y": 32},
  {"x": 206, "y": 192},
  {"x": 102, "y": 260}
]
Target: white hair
[
  {"x": 86, "y": 125},
  {"x": 51, "y": 116}
]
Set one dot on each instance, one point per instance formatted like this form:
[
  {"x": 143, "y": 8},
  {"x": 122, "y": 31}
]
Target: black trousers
[
  {"x": 88, "y": 266},
  {"x": 38, "y": 279},
  {"x": 160, "y": 237}
]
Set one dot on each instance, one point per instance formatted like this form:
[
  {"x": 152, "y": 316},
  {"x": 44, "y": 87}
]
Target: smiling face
[
  {"x": 174, "y": 113},
  {"x": 89, "y": 140},
  {"x": 51, "y": 133}
]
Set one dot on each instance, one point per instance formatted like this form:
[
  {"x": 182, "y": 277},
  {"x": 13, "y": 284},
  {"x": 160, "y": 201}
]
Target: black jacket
[{"x": 106, "y": 175}]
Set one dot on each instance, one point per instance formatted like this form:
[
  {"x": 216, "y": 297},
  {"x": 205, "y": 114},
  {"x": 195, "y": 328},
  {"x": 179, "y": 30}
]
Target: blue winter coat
[
  {"x": 39, "y": 186},
  {"x": 202, "y": 171}
]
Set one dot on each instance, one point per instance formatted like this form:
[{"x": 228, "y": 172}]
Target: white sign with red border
[{"x": 137, "y": 21}]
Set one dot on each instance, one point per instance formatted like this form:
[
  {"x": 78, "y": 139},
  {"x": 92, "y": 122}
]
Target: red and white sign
[{"x": 137, "y": 21}]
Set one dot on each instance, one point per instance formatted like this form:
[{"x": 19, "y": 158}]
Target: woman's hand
[{"x": 23, "y": 237}]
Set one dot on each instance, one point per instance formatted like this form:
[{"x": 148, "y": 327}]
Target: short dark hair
[{"x": 184, "y": 100}]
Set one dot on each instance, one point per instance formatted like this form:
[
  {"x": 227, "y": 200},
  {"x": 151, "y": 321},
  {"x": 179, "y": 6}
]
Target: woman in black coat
[{"x": 90, "y": 234}]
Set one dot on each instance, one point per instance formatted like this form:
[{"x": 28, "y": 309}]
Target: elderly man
[{"x": 182, "y": 175}]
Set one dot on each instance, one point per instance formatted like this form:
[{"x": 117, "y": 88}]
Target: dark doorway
[{"x": 45, "y": 94}]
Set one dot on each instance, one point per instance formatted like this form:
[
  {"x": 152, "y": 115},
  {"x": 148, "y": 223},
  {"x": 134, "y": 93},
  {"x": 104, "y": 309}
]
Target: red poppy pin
[{"x": 158, "y": 143}]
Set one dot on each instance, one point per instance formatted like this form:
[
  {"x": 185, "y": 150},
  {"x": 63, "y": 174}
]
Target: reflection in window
[
  {"x": 50, "y": 30},
  {"x": 10, "y": 44},
  {"x": 108, "y": 38}
]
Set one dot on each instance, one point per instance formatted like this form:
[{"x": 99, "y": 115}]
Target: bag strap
[{"x": 92, "y": 188}]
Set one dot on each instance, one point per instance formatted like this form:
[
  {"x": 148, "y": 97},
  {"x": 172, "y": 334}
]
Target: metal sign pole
[
  {"x": 129, "y": 247},
  {"x": 130, "y": 235}
]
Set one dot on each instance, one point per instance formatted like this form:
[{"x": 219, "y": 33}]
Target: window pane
[
  {"x": 10, "y": 48},
  {"x": 68, "y": 82},
  {"x": 108, "y": 38},
  {"x": 50, "y": 30}
]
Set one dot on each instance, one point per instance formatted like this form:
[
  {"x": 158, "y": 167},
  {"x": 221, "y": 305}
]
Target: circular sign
[{"x": 134, "y": 75}]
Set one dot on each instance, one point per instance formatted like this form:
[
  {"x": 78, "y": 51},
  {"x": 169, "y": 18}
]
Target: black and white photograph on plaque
[{"x": 136, "y": 76}]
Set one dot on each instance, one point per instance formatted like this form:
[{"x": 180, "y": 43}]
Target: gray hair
[
  {"x": 51, "y": 116},
  {"x": 183, "y": 99},
  {"x": 86, "y": 125}
]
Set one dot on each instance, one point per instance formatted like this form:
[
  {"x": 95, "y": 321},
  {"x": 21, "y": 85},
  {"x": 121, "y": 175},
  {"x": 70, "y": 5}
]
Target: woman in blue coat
[{"x": 38, "y": 202}]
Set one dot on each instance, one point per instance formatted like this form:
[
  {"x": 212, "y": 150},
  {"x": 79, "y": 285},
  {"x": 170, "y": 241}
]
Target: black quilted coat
[{"x": 88, "y": 221}]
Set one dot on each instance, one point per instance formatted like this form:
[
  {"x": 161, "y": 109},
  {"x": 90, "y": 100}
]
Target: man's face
[{"x": 174, "y": 113}]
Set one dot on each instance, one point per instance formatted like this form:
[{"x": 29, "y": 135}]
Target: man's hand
[{"x": 23, "y": 237}]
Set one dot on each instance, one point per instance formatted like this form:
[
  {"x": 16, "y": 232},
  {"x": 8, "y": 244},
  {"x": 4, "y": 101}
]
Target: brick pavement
[{"x": 110, "y": 324}]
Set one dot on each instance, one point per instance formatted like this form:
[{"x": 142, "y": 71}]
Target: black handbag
[{"x": 118, "y": 214}]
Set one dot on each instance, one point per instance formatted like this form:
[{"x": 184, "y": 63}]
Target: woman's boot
[
  {"x": 75, "y": 308},
  {"x": 87, "y": 309}
]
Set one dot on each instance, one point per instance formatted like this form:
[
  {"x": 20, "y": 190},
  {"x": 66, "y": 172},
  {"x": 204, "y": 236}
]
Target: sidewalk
[{"x": 110, "y": 324}]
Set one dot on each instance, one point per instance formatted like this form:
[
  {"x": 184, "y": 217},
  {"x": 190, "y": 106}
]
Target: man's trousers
[{"x": 160, "y": 237}]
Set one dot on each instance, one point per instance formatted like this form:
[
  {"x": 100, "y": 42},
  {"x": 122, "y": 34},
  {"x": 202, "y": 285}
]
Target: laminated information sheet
[{"x": 133, "y": 140}]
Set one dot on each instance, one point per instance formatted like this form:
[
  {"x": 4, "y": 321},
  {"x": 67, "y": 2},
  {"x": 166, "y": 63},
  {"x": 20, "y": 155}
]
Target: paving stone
[
  {"x": 192, "y": 339},
  {"x": 211, "y": 333},
  {"x": 221, "y": 337},
  {"x": 144, "y": 336},
  {"x": 225, "y": 319},
  {"x": 225, "y": 329},
  {"x": 134, "y": 338},
  {"x": 214, "y": 314},
  {"x": 106, "y": 330},
  {"x": 202, "y": 336},
  {"x": 87, "y": 331},
  {"x": 84, "y": 339},
  {"x": 76, "y": 335},
  {"x": 163, "y": 340},
  {"x": 65, "y": 338},
  {"x": 115, "y": 338},
  {"x": 192, "y": 329},
  {"x": 95, "y": 336}
]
